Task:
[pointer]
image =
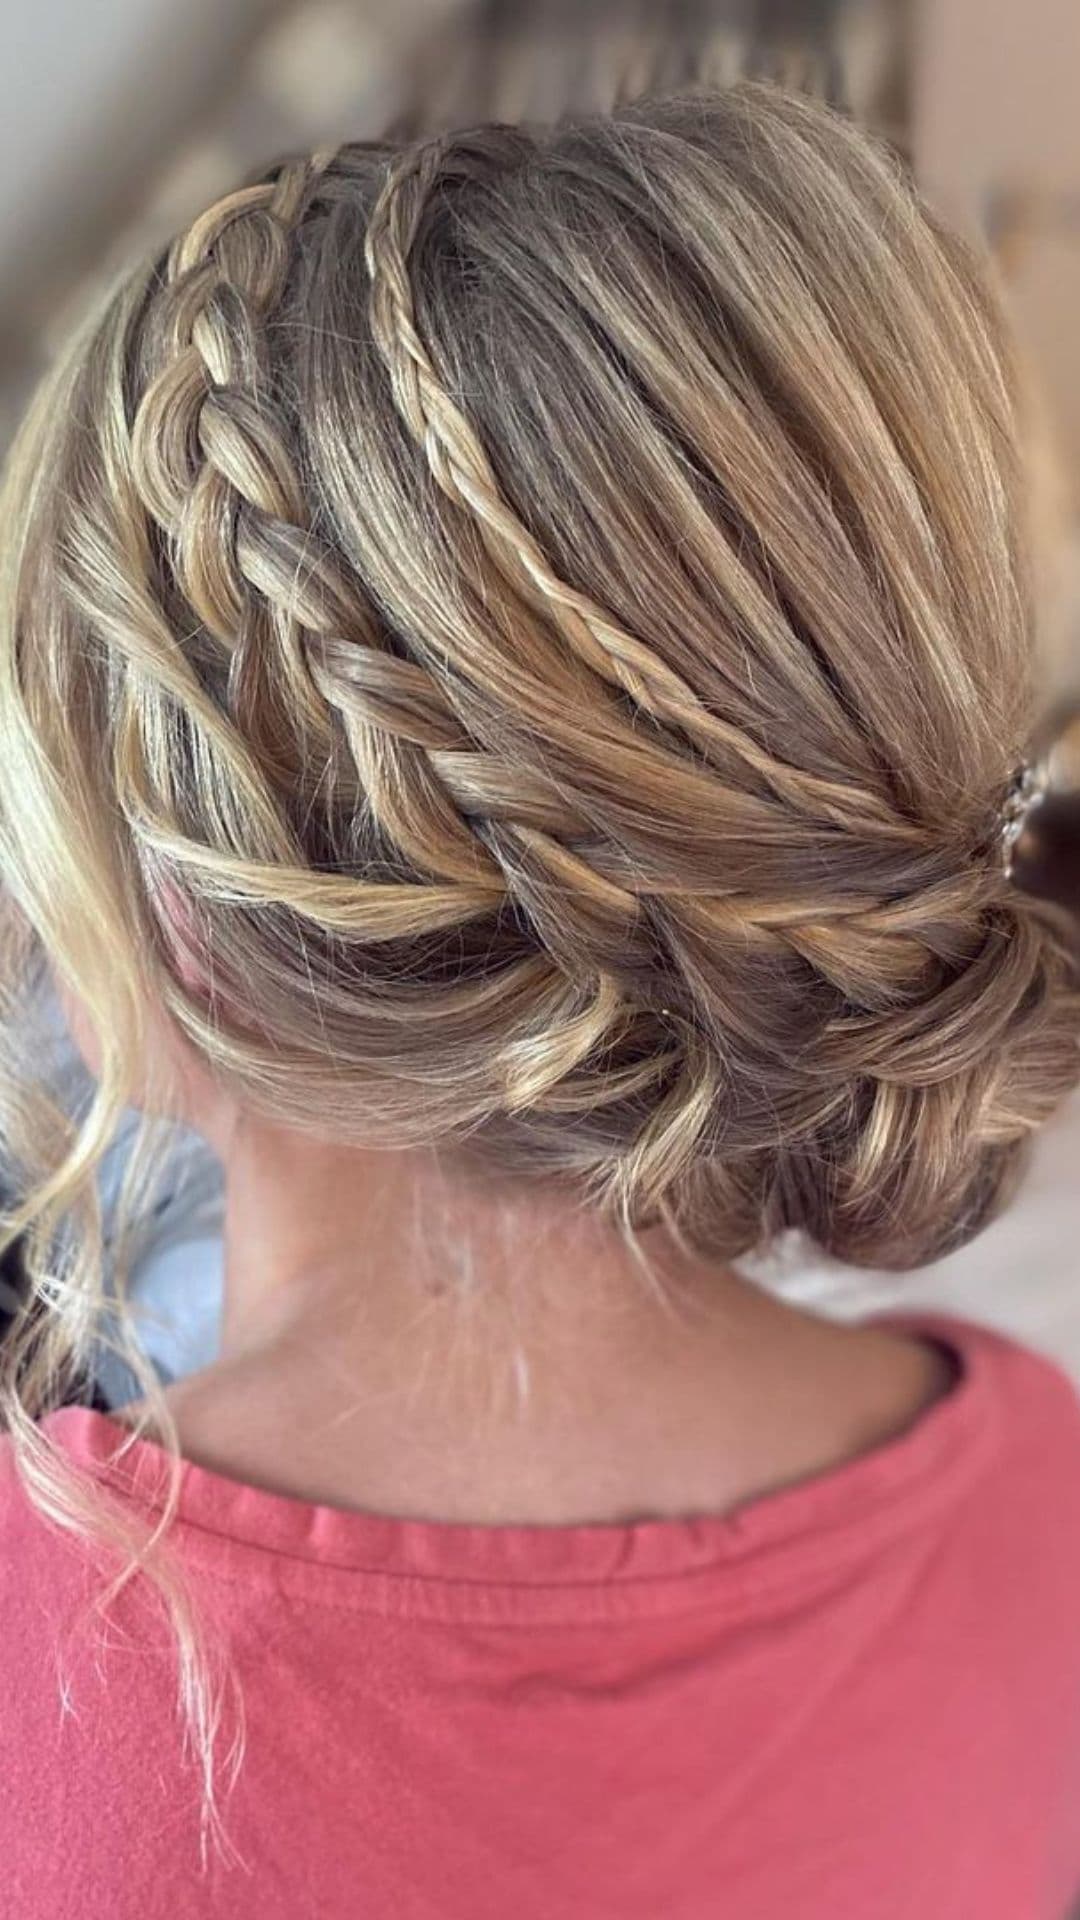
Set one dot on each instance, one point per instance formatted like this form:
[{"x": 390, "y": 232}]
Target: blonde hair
[{"x": 522, "y": 639}]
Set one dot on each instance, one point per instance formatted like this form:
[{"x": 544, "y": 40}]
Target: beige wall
[{"x": 997, "y": 93}]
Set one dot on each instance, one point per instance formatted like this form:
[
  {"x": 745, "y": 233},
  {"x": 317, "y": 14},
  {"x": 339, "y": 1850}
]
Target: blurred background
[{"x": 120, "y": 118}]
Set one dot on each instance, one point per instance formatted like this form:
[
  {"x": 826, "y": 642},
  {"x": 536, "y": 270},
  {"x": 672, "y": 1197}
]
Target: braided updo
[{"x": 524, "y": 639}]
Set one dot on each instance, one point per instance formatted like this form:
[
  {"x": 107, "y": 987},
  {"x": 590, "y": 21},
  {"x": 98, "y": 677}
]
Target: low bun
[{"x": 887, "y": 1137}]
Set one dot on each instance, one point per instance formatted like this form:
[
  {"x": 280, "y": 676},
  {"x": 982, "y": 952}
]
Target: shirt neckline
[{"x": 798, "y": 1537}]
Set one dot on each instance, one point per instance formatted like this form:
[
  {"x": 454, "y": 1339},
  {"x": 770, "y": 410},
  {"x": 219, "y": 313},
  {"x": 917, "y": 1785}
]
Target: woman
[{"x": 517, "y": 651}]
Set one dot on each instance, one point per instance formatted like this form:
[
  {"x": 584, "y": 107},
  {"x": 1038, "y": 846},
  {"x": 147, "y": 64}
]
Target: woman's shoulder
[
  {"x": 1028, "y": 1403},
  {"x": 1015, "y": 1369}
]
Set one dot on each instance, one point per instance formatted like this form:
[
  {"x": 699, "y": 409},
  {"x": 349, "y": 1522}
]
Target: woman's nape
[
  {"x": 402, "y": 1335},
  {"x": 405, "y": 1336}
]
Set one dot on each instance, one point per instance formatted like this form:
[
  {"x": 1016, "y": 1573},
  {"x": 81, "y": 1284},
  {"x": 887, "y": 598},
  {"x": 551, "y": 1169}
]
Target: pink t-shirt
[{"x": 857, "y": 1699}]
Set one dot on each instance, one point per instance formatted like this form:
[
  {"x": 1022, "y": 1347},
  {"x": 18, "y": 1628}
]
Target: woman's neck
[{"x": 400, "y": 1337}]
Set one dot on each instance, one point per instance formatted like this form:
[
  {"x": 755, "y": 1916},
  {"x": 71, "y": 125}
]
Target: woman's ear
[
  {"x": 171, "y": 1080},
  {"x": 80, "y": 1027},
  {"x": 185, "y": 942}
]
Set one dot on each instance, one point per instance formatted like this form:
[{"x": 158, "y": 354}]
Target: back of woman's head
[{"x": 524, "y": 640}]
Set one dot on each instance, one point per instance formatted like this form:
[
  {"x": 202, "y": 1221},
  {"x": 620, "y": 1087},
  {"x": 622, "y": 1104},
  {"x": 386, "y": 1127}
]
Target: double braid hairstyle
[{"x": 523, "y": 639}]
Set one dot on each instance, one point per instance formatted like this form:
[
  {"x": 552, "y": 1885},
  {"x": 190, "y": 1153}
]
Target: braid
[
  {"x": 214, "y": 471},
  {"x": 207, "y": 461},
  {"x": 878, "y": 955},
  {"x": 461, "y": 467}
]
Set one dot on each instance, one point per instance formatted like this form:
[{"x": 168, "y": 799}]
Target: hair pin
[{"x": 1027, "y": 790}]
